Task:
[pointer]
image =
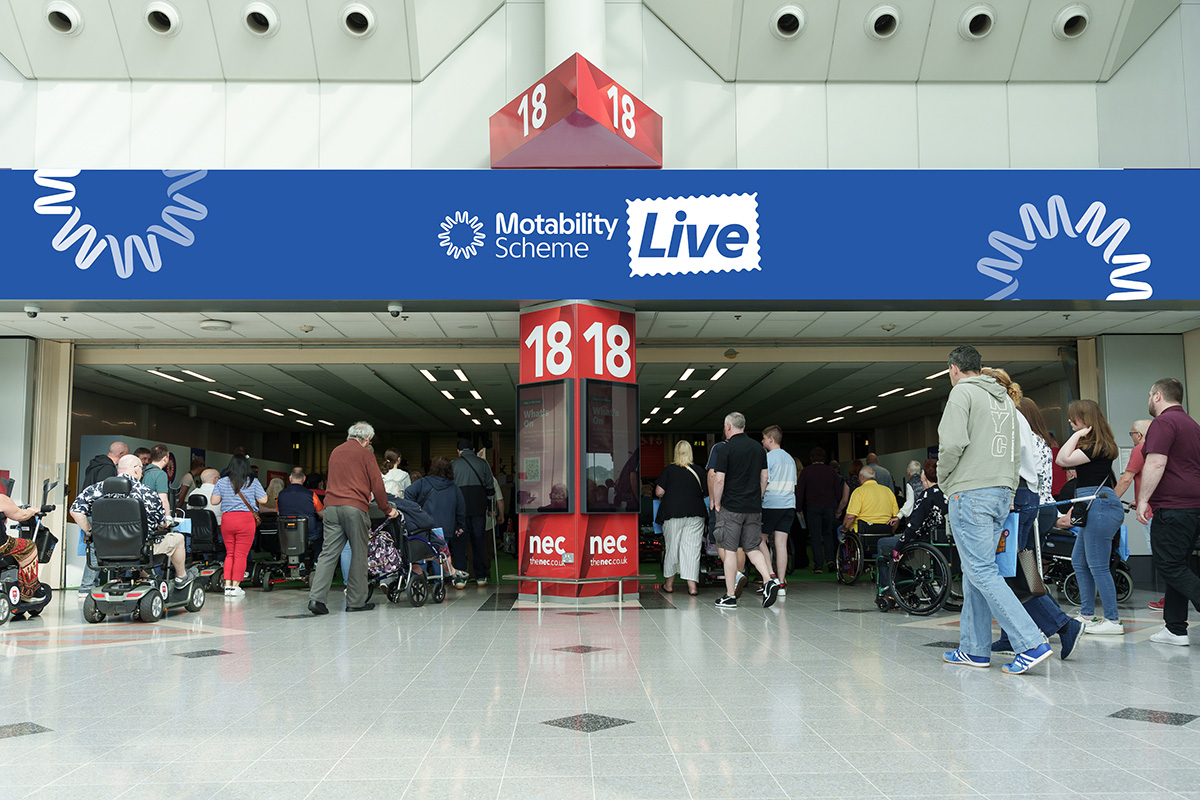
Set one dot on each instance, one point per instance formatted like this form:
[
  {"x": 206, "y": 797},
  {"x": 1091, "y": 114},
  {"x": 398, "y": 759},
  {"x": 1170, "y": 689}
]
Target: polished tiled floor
[{"x": 677, "y": 701}]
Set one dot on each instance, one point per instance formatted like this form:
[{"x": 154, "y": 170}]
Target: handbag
[
  {"x": 1028, "y": 583},
  {"x": 1006, "y": 548},
  {"x": 1079, "y": 512},
  {"x": 257, "y": 516}
]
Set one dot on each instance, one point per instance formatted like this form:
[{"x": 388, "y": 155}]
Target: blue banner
[{"x": 699, "y": 235}]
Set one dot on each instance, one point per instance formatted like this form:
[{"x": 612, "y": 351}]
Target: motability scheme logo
[
  {"x": 92, "y": 244},
  {"x": 677, "y": 235},
  {"x": 541, "y": 236},
  {"x": 1058, "y": 218}
]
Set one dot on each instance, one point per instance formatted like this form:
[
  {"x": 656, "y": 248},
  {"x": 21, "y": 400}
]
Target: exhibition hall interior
[{"x": 613, "y": 399}]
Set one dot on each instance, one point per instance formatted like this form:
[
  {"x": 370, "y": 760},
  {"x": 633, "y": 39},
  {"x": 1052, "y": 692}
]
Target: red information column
[{"x": 578, "y": 461}]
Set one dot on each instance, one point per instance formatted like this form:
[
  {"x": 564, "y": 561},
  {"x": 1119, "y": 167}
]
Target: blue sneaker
[
  {"x": 1028, "y": 660},
  {"x": 1069, "y": 637},
  {"x": 959, "y": 657}
]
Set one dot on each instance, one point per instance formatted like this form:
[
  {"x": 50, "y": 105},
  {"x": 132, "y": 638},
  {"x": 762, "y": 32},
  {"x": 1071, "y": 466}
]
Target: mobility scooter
[{"x": 12, "y": 605}]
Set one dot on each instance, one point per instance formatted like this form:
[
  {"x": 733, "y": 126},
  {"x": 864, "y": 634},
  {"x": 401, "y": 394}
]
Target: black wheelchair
[
  {"x": 857, "y": 549},
  {"x": 205, "y": 547},
  {"x": 925, "y": 577},
  {"x": 122, "y": 542}
]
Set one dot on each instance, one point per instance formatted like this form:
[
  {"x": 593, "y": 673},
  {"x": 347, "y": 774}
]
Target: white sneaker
[
  {"x": 235, "y": 591},
  {"x": 1104, "y": 627},
  {"x": 1166, "y": 637},
  {"x": 782, "y": 591}
]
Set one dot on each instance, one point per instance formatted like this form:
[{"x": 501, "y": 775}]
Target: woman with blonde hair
[
  {"x": 683, "y": 516},
  {"x": 1091, "y": 451},
  {"x": 273, "y": 490}
]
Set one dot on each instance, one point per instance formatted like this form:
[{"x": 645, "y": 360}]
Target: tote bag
[{"x": 1006, "y": 549}]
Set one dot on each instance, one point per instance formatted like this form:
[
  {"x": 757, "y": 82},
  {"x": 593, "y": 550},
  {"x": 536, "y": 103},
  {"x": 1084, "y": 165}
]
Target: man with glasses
[{"x": 1133, "y": 475}]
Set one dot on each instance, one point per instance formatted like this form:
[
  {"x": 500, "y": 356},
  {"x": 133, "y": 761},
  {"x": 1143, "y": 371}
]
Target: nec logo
[{"x": 674, "y": 235}]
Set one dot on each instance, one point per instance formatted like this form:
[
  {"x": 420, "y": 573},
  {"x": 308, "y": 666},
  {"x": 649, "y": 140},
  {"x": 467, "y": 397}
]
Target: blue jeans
[
  {"x": 976, "y": 520},
  {"x": 1043, "y": 610},
  {"x": 1093, "y": 549}
]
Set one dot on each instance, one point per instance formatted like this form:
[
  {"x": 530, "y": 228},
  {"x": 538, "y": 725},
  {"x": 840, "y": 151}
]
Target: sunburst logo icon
[{"x": 462, "y": 235}]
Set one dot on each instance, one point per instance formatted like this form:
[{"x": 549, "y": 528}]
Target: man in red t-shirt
[
  {"x": 1171, "y": 479},
  {"x": 1132, "y": 476}
]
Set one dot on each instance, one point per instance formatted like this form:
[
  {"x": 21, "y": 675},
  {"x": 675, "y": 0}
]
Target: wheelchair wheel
[
  {"x": 439, "y": 592},
  {"x": 849, "y": 560},
  {"x": 954, "y": 597},
  {"x": 197, "y": 600},
  {"x": 217, "y": 582},
  {"x": 265, "y": 581},
  {"x": 920, "y": 579},
  {"x": 883, "y": 604},
  {"x": 418, "y": 590},
  {"x": 5, "y": 609},
  {"x": 1124, "y": 583},
  {"x": 91, "y": 613},
  {"x": 1070, "y": 589},
  {"x": 395, "y": 594},
  {"x": 150, "y": 607}
]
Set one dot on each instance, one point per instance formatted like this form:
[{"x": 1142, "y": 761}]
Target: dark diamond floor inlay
[
  {"x": 588, "y": 723},
  {"x": 21, "y": 729},
  {"x": 203, "y": 653},
  {"x": 943, "y": 645},
  {"x": 1149, "y": 715},
  {"x": 580, "y": 648}
]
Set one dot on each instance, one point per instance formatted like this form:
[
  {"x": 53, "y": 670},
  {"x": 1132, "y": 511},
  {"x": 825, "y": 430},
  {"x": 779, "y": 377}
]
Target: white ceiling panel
[
  {"x": 859, "y": 57},
  {"x": 190, "y": 53},
  {"x": 94, "y": 52},
  {"x": 842, "y": 323},
  {"x": 733, "y": 324}
]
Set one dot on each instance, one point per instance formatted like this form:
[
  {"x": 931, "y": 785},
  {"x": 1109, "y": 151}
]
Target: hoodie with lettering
[{"x": 979, "y": 443}]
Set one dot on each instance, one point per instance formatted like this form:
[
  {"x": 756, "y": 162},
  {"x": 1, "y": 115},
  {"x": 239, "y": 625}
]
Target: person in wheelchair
[
  {"x": 23, "y": 551},
  {"x": 928, "y": 515},
  {"x": 170, "y": 544},
  {"x": 873, "y": 510}
]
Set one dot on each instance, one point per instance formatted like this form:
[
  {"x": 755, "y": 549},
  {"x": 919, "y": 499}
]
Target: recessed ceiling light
[
  {"x": 306, "y": 424},
  {"x": 143, "y": 327},
  {"x": 222, "y": 396},
  {"x": 920, "y": 391},
  {"x": 326, "y": 422},
  {"x": 816, "y": 419},
  {"x": 677, "y": 326},
  {"x": 865, "y": 408},
  {"x": 669, "y": 394},
  {"x": 892, "y": 391},
  {"x": 646, "y": 421},
  {"x": 496, "y": 421},
  {"x": 835, "y": 419},
  {"x": 655, "y": 410},
  {"x": 215, "y": 325},
  {"x": 489, "y": 412},
  {"x": 204, "y": 378},
  {"x": 843, "y": 408},
  {"x": 668, "y": 419},
  {"x": 475, "y": 394},
  {"x": 461, "y": 375},
  {"x": 717, "y": 375},
  {"x": 464, "y": 411},
  {"x": 477, "y": 422},
  {"x": 273, "y": 411},
  {"x": 247, "y": 394},
  {"x": 687, "y": 373},
  {"x": 447, "y": 395},
  {"x": 165, "y": 375},
  {"x": 698, "y": 393},
  {"x": 679, "y": 410},
  {"x": 467, "y": 327},
  {"x": 993, "y": 325},
  {"x": 946, "y": 371},
  {"x": 297, "y": 413},
  {"x": 429, "y": 375}
]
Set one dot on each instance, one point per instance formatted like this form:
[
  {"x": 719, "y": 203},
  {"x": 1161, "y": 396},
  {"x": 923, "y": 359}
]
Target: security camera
[
  {"x": 395, "y": 309},
  {"x": 32, "y": 311}
]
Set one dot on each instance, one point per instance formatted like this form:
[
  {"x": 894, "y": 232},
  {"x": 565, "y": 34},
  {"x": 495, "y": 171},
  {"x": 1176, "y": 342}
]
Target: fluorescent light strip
[
  {"x": 222, "y": 396},
  {"x": 668, "y": 419},
  {"x": 475, "y": 394},
  {"x": 447, "y": 395},
  {"x": 273, "y": 411},
  {"x": 204, "y": 378},
  {"x": 326, "y": 422},
  {"x": 835, "y": 419},
  {"x": 429, "y": 375},
  {"x": 679, "y": 410},
  {"x": 719, "y": 373},
  {"x": 496, "y": 421},
  {"x": 815, "y": 419},
  {"x": 646, "y": 421},
  {"x": 465, "y": 412},
  {"x": 893, "y": 391},
  {"x": 297, "y": 413},
  {"x": 477, "y": 422},
  {"x": 489, "y": 412},
  {"x": 302, "y": 422},
  {"x": 843, "y": 408},
  {"x": 687, "y": 373},
  {"x": 865, "y": 408},
  {"x": 669, "y": 394},
  {"x": 247, "y": 394},
  {"x": 698, "y": 393},
  {"x": 165, "y": 375},
  {"x": 920, "y": 391},
  {"x": 461, "y": 375},
  {"x": 946, "y": 371},
  {"x": 655, "y": 410}
]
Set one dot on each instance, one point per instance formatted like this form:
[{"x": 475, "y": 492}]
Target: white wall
[
  {"x": 16, "y": 410},
  {"x": 1139, "y": 118}
]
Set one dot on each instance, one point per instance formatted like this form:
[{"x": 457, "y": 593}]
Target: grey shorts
[{"x": 736, "y": 530}]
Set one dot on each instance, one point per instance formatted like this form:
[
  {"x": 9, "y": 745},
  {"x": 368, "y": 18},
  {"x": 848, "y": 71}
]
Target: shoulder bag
[
  {"x": 1079, "y": 511},
  {"x": 249, "y": 505}
]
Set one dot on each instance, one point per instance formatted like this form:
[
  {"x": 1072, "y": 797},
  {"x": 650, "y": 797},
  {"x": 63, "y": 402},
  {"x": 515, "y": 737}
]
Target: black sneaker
[
  {"x": 725, "y": 601},
  {"x": 770, "y": 592}
]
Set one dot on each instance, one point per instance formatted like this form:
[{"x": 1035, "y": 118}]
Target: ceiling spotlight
[
  {"x": 260, "y": 19},
  {"x": 787, "y": 22},
  {"x": 888, "y": 327},
  {"x": 882, "y": 22},
  {"x": 358, "y": 21},
  {"x": 215, "y": 325},
  {"x": 730, "y": 353},
  {"x": 717, "y": 375},
  {"x": 64, "y": 18},
  {"x": 306, "y": 329}
]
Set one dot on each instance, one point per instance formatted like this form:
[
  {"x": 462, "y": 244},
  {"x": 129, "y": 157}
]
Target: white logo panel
[{"x": 679, "y": 235}]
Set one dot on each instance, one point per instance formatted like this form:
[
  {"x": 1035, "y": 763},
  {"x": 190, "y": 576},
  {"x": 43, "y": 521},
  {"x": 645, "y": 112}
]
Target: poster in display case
[
  {"x": 545, "y": 452},
  {"x": 611, "y": 448}
]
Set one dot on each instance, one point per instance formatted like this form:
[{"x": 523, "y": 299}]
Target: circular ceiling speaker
[
  {"x": 1071, "y": 22},
  {"x": 788, "y": 22},
  {"x": 162, "y": 18},
  {"x": 261, "y": 19},
  {"x": 64, "y": 17},
  {"x": 882, "y": 22},
  {"x": 357, "y": 20},
  {"x": 977, "y": 22}
]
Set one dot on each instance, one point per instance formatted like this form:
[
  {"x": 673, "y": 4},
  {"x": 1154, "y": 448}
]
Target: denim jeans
[
  {"x": 976, "y": 520},
  {"x": 1043, "y": 610},
  {"x": 821, "y": 534},
  {"x": 1093, "y": 549}
]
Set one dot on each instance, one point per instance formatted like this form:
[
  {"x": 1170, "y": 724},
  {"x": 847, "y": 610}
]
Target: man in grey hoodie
[{"x": 979, "y": 457}]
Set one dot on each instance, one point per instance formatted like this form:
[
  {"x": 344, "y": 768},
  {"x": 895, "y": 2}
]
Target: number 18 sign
[
  {"x": 578, "y": 340},
  {"x": 576, "y": 116}
]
